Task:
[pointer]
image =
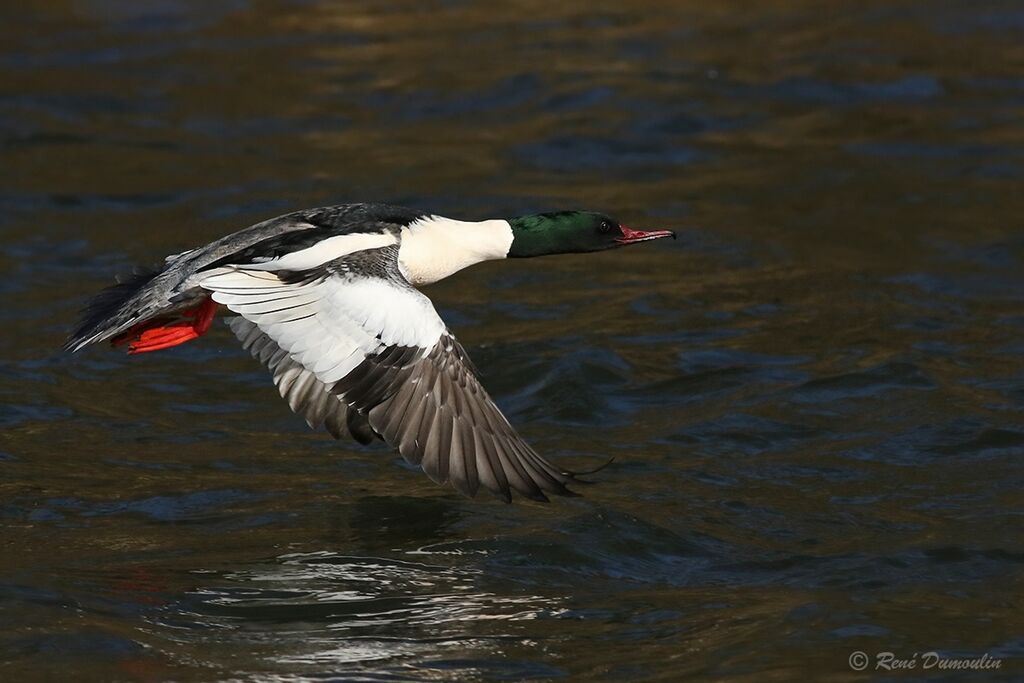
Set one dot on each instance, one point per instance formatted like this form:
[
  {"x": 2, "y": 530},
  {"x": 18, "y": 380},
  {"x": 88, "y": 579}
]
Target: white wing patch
[
  {"x": 304, "y": 393},
  {"x": 329, "y": 325},
  {"x": 326, "y": 250}
]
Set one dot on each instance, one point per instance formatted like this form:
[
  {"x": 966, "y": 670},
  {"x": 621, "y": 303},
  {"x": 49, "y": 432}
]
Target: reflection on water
[
  {"x": 813, "y": 397},
  {"x": 332, "y": 610}
]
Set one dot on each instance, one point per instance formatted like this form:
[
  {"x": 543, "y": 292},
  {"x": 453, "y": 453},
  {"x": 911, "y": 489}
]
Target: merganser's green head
[{"x": 573, "y": 232}]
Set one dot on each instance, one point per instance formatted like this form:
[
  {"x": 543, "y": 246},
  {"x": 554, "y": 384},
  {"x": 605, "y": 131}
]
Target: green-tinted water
[{"x": 814, "y": 397}]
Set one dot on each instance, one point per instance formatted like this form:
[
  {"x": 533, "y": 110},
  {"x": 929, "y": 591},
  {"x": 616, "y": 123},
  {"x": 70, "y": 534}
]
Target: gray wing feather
[
  {"x": 305, "y": 394},
  {"x": 438, "y": 416}
]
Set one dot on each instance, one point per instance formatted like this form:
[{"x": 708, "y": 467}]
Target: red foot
[{"x": 163, "y": 333}]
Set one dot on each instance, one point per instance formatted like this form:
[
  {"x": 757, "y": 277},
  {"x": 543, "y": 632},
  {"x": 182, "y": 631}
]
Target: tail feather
[{"x": 108, "y": 312}]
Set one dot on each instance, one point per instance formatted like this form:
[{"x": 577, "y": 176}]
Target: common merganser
[{"x": 326, "y": 298}]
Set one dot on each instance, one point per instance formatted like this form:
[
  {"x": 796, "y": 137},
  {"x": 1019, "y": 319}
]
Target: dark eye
[{"x": 605, "y": 226}]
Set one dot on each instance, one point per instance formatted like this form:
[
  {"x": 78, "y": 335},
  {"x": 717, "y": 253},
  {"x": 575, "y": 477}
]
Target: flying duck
[{"x": 327, "y": 300}]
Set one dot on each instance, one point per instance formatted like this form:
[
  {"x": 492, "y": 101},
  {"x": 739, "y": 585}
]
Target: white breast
[{"x": 434, "y": 247}]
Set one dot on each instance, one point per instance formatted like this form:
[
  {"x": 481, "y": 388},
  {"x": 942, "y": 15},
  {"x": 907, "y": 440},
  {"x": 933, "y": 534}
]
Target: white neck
[{"x": 434, "y": 247}]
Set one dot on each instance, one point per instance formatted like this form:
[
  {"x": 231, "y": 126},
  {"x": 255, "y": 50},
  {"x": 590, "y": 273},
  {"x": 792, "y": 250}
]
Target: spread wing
[{"x": 377, "y": 344}]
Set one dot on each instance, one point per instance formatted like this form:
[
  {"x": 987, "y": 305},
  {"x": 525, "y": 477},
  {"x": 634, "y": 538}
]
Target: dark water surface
[{"x": 814, "y": 397}]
